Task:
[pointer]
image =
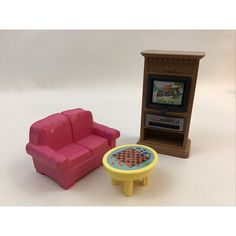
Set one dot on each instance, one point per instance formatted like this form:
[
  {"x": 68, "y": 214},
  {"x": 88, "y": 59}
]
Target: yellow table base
[
  {"x": 128, "y": 180},
  {"x": 128, "y": 185},
  {"x": 127, "y": 177}
]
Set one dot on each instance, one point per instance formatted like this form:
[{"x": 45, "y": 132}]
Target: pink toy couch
[{"x": 66, "y": 146}]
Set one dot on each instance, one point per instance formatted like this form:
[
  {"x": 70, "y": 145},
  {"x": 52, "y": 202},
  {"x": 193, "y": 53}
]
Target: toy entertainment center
[
  {"x": 67, "y": 145},
  {"x": 168, "y": 91}
]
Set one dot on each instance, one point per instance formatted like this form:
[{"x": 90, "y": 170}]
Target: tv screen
[{"x": 169, "y": 93}]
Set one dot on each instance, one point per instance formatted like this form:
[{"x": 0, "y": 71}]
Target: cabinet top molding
[{"x": 169, "y": 53}]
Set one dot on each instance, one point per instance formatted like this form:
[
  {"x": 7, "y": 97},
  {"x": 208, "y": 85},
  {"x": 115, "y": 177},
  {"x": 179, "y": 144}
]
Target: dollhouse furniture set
[
  {"x": 129, "y": 163},
  {"x": 68, "y": 145}
]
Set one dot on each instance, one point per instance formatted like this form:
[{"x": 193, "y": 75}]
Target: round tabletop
[{"x": 130, "y": 158}]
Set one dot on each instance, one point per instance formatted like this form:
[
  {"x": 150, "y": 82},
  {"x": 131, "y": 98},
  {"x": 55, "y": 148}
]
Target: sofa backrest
[
  {"x": 81, "y": 121},
  {"x": 54, "y": 131}
]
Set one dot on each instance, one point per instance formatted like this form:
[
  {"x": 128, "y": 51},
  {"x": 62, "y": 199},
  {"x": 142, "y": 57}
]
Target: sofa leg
[
  {"x": 40, "y": 172},
  {"x": 66, "y": 186}
]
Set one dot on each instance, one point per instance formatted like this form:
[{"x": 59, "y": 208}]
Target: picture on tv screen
[{"x": 168, "y": 92}]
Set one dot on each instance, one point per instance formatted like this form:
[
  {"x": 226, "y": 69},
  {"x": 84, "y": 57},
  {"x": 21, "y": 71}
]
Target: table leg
[
  {"x": 113, "y": 181},
  {"x": 128, "y": 187},
  {"x": 145, "y": 181}
]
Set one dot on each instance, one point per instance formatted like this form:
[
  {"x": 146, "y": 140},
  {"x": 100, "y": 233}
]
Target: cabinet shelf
[
  {"x": 164, "y": 130},
  {"x": 164, "y": 137},
  {"x": 164, "y": 142},
  {"x": 157, "y": 112}
]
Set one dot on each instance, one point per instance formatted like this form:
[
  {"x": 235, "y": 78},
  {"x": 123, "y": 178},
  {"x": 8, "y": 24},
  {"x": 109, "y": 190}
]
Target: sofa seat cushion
[
  {"x": 94, "y": 143},
  {"x": 75, "y": 154}
]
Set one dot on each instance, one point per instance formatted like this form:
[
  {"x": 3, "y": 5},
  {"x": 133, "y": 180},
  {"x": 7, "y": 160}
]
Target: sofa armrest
[
  {"x": 46, "y": 155},
  {"x": 105, "y": 132}
]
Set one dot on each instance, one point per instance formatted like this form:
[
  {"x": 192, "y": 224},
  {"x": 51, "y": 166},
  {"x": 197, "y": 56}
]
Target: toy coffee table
[{"x": 130, "y": 162}]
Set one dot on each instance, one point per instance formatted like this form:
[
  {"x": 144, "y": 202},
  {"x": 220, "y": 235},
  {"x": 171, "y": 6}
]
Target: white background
[
  {"x": 122, "y": 14},
  {"x": 43, "y": 72}
]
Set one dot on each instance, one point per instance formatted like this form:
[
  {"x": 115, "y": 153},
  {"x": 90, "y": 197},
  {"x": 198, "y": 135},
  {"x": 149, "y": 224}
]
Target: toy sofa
[{"x": 68, "y": 145}]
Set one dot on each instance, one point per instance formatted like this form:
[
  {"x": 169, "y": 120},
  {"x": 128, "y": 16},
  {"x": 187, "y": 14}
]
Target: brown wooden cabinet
[{"x": 168, "y": 93}]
